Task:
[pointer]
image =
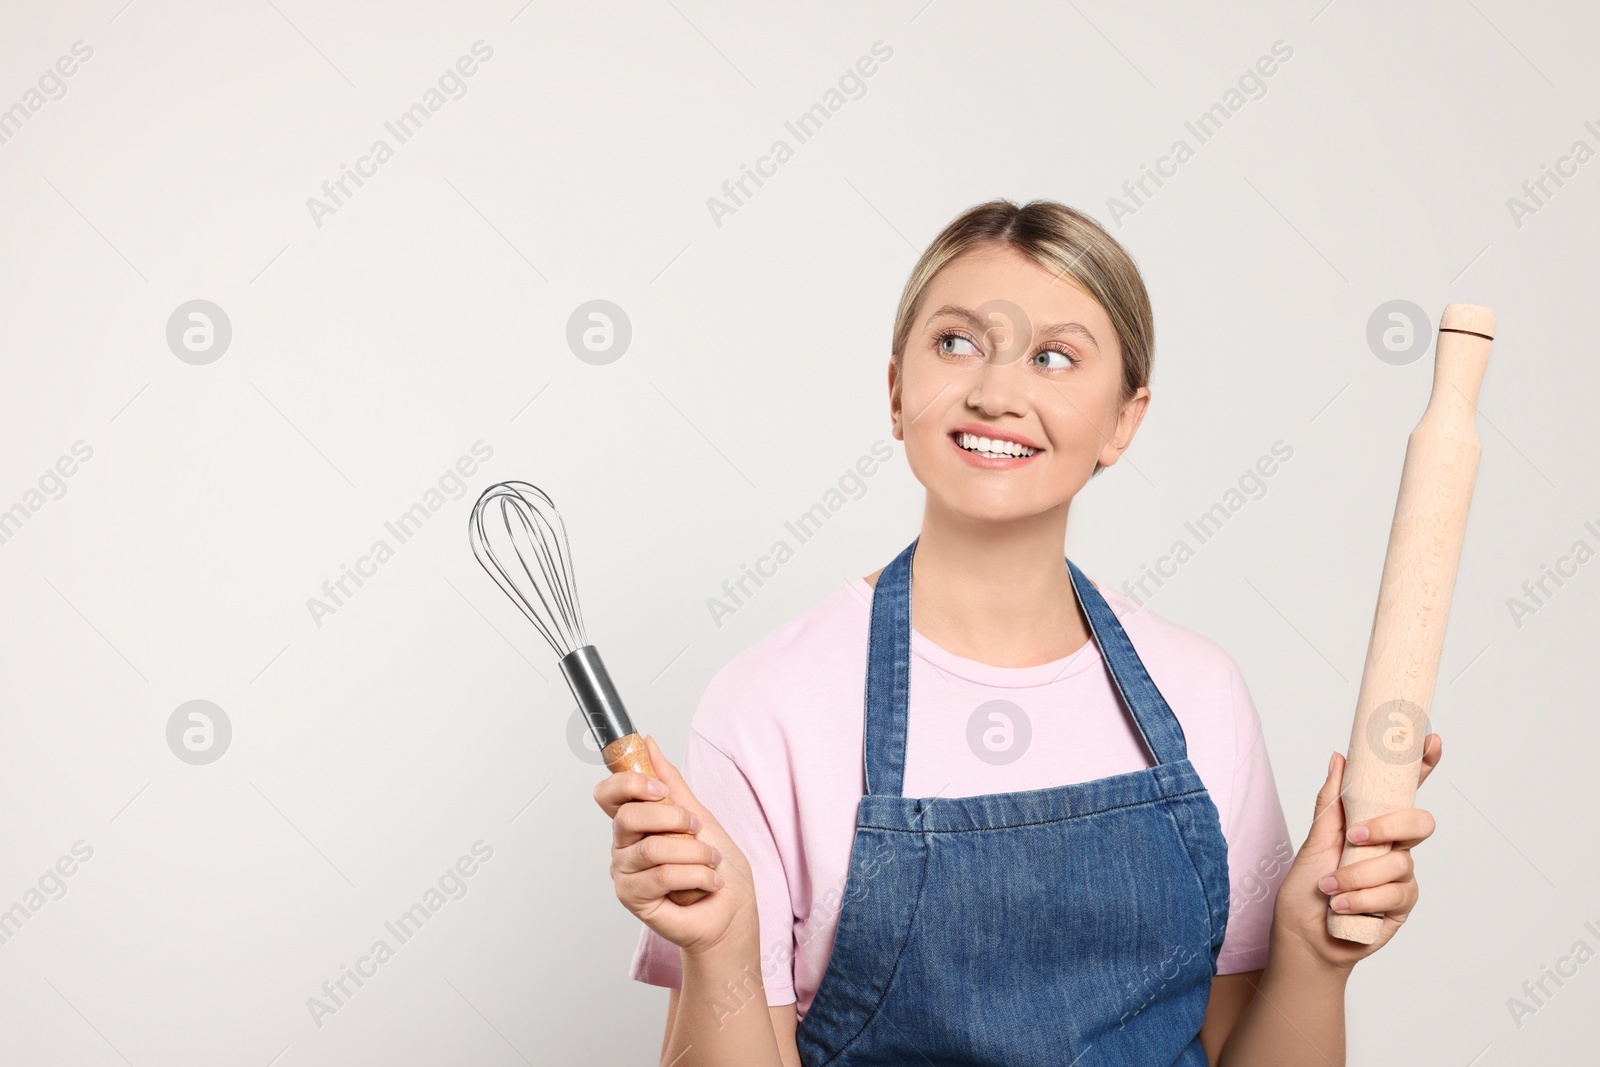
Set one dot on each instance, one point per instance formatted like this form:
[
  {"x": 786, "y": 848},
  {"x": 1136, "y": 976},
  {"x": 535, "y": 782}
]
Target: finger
[
  {"x": 1405, "y": 828},
  {"x": 642, "y": 818},
  {"x": 664, "y": 769},
  {"x": 655, "y": 883},
  {"x": 655, "y": 850},
  {"x": 1327, "y": 822},
  {"x": 1432, "y": 752},
  {"x": 1393, "y": 866},
  {"x": 677, "y": 786},
  {"x": 1391, "y": 898},
  {"x": 615, "y": 790}
]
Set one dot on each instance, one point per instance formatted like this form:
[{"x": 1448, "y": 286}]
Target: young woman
[{"x": 1049, "y": 833}]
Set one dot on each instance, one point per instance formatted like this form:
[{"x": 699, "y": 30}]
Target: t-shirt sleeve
[
  {"x": 1259, "y": 850},
  {"x": 722, "y": 787}
]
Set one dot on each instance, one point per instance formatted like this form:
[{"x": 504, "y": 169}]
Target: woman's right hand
[{"x": 646, "y": 865}]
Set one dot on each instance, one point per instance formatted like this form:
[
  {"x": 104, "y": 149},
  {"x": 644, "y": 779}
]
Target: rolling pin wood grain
[
  {"x": 1419, "y": 576},
  {"x": 630, "y": 753}
]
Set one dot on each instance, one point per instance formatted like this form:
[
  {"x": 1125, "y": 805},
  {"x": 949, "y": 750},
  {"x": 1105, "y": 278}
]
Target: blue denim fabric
[{"x": 1078, "y": 924}]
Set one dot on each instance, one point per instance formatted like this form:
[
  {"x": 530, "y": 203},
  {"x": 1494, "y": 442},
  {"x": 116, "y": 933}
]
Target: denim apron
[{"x": 1078, "y": 924}]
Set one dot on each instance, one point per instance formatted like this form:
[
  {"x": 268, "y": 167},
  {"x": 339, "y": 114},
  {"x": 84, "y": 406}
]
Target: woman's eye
[
  {"x": 947, "y": 343},
  {"x": 1062, "y": 360}
]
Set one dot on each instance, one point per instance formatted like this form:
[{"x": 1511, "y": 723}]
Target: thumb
[
  {"x": 678, "y": 790},
  {"x": 1327, "y": 824}
]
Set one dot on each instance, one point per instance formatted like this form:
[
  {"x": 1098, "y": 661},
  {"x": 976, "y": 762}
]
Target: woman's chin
[{"x": 998, "y": 506}]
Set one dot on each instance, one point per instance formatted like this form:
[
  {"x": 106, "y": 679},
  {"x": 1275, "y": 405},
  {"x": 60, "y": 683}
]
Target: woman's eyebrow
[
  {"x": 1076, "y": 329},
  {"x": 966, "y": 314}
]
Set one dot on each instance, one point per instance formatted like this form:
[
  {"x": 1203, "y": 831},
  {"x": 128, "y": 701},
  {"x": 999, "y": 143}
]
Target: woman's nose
[{"x": 1000, "y": 387}]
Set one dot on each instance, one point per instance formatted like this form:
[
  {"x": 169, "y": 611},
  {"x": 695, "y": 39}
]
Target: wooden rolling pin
[{"x": 1419, "y": 575}]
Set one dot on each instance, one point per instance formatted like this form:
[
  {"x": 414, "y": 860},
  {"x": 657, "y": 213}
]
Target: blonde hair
[{"x": 1065, "y": 242}]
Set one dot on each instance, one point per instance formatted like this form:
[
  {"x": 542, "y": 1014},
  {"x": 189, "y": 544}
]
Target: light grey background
[{"x": 430, "y": 312}]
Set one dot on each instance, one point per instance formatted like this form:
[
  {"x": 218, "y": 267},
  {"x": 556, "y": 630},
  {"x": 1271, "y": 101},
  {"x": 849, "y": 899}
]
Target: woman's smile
[{"x": 991, "y": 448}]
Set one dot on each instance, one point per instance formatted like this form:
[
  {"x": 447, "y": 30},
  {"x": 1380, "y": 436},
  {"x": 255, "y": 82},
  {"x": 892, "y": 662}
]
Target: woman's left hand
[{"x": 1381, "y": 884}]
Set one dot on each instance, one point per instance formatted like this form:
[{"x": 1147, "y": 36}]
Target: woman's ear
[
  {"x": 894, "y": 399},
  {"x": 1129, "y": 416}
]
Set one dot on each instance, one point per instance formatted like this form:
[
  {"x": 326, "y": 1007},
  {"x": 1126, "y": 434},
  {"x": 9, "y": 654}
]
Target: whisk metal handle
[
  {"x": 620, "y": 744},
  {"x": 587, "y": 678},
  {"x": 630, "y": 753}
]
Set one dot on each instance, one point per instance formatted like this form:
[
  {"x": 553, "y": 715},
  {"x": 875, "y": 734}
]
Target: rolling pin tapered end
[{"x": 1468, "y": 318}]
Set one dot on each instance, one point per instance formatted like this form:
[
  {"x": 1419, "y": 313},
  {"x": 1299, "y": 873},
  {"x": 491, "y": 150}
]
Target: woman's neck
[{"x": 996, "y": 593}]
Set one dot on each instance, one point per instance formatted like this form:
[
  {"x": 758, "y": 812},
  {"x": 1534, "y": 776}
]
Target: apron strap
[
  {"x": 1158, "y": 726},
  {"x": 889, "y": 677},
  {"x": 888, "y": 686}
]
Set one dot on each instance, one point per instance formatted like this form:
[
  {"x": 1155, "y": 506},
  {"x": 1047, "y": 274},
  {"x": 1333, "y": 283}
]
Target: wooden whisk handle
[{"x": 630, "y": 753}]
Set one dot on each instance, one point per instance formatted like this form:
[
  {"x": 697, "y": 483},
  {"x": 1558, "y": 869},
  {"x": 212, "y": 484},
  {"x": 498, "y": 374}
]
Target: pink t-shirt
[{"x": 774, "y": 752}]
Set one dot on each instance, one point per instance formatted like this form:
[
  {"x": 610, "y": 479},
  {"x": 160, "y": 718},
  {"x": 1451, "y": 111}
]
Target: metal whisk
[{"x": 519, "y": 538}]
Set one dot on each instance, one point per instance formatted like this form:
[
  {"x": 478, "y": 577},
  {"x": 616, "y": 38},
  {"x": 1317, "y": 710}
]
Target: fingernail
[
  {"x": 1332, "y": 760},
  {"x": 1359, "y": 834},
  {"x": 716, "y": 856},
  {"x": 1341, "y": 904},
  {"x": 656, "y": 788},
  {"x": 716, "y": 880},
  {"x": 694, "y": 823},
  {"x": 1328, "y": 884}
]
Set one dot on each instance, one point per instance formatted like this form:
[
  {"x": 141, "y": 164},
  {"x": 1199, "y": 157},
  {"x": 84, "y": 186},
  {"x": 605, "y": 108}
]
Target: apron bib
[{"x": 1078, "y": 924}]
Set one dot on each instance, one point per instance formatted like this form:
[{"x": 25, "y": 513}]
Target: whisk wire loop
[{"x": 541, "y": 583}]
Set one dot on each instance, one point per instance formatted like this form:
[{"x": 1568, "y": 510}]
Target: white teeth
[{"x": 989, "y": 446}]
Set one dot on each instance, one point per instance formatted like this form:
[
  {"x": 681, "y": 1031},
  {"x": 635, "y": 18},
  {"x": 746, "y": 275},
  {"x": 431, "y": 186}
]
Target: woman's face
[{"x": 1003, "y": 349}]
